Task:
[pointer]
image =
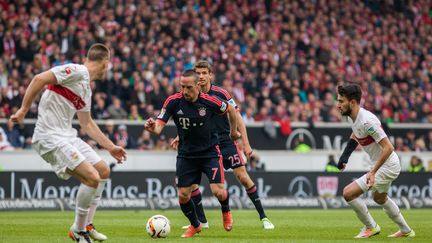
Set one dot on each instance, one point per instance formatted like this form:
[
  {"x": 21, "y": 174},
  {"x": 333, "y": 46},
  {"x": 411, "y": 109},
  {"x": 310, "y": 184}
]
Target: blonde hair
[{"x": 98, "y": 52}]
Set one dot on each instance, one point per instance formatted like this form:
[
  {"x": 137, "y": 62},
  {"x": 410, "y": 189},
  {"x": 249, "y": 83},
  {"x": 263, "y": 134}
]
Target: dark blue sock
[
  {"x": 253, "y": 195},
  {"x": 188, "y": 209},
  {"x": 197, "y": 199},
  {"x": 225, "y": 203}
]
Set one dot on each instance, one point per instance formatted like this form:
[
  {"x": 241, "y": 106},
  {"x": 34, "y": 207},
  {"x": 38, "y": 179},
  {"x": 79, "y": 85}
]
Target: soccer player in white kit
[
  {"x": 385, "y": 166},
  {"x": 69, "y": 93}
]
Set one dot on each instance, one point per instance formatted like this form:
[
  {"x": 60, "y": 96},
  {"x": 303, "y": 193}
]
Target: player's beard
[{"x": 347, "y": 112}]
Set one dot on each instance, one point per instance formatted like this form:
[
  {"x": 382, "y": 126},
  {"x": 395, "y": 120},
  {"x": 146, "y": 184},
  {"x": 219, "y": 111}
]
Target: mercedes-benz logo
[
  {"x": 300, "y": 186},
  {"x": 300, "y": 133}
]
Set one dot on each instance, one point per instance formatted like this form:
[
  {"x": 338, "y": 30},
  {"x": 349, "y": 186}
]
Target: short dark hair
[
  {"x": 351, "y": 91},
  {"x": 203, "y": 64},
  {"x": 190, "y": 73},
  {"x": 98, "y": 52}
]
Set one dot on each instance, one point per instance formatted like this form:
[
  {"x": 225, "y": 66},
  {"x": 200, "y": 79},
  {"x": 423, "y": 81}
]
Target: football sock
[
  {"x": 188, "y": 210},
  {"x": 84, "y": 196},
  {"x": 225, "y": 203},
  {"x": 392, "y": 210},
  {"x": 95, "y": 202},
  {"x": 253, "y": 195},
  {"x": 362, "y": 212},
  {"x": 197, "y": 199}
]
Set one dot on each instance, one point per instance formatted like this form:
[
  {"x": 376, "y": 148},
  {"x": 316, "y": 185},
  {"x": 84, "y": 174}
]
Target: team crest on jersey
[{"x": 202, "y": 111}]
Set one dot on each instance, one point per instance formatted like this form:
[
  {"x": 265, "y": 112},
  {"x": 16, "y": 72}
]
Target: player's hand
[
  {"x": 175, "y": 142},
  {"x": 342, "y": 163},
  {"x": 235, "y": 135},
  {"x": 118, "y": 153},
  {"x": 247, "y": 150},
  {"x": 150, "y": 124},
  {"x": 18, "y": 117},
  {"x": 370, "y": 179}
]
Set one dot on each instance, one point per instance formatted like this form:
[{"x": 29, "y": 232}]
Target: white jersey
[
  {"x": 368, "y": 132},
  {"x": 60, "y": 102}
]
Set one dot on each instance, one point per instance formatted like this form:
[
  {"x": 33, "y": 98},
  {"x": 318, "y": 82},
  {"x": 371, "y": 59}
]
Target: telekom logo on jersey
[{"x": 184, "y": 122}]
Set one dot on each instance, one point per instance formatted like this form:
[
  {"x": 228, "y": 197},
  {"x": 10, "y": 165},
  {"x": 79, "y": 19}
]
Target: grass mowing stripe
[{"x": 291, "y": 226}]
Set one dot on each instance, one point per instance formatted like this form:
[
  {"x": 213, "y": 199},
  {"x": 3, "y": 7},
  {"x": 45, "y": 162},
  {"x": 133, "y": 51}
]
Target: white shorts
[
  {"x": 383, "y": 178},
  {"x": 67, "y": 154}
]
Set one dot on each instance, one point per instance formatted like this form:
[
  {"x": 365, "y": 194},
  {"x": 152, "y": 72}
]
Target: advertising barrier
[{"x": 156, "y": 190}]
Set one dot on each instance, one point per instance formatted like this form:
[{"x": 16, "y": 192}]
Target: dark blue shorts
[
  {"x": 232, "y": 156},
  {"x": 188, "y": 171}
]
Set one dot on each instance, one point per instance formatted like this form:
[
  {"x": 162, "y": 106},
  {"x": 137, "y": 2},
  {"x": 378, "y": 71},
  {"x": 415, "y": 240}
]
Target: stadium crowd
[{"x": 281, "y": 60}]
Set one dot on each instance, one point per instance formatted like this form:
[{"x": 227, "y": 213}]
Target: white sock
[
  {"x": 362, "y": 212},
  {"x": 95, "y": 202},
  {"x": 392, "y": 210},
  {"x": 84, "y": 196}
]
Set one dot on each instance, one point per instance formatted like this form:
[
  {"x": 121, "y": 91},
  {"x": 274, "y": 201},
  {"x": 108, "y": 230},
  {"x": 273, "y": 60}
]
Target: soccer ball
[{"x": 158, "y": 226}]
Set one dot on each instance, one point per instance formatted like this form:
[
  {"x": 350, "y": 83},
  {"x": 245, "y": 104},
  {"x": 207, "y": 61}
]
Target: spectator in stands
[
  {"x": 4, "y": 143},
  {"x": 162, "y": 143},
  {"x": 248, "y": 116},
  {"x": 134, "y": 114},
  {"x": 13, "y": 135},
  {"x": 410, "y": 139},
  {"x": 110, "y": 131},
  {"x": 116, "y": 110},
  {"x": 331, "y": 164},
  {"x": 100, "y": 110},
  {"x": 428, "y": 141},
  {"x": 400, "y": 145},
  {"x": 416, "y": 165},
  {"x": 300, "y": 146},
  {"x": 299, "y": 60},
  {"x": 145, "y": 142},
  {"x": 123, "y": 139}
]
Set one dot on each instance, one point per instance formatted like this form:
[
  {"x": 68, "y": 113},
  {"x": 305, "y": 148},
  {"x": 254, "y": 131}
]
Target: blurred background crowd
[{"x": 281, "y": 60}]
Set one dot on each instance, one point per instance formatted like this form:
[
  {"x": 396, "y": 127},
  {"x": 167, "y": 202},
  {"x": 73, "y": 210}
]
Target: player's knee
[
  {"x": 347, "y": 194},
  {"x": 194, "y": 187},
  {"x": 92, "y": 180},
  {"x": 184, "y": 198},
  {"x": 380, "y": 199},
  {"x": 219, "y": 193},
  {"x": 104, "y": 172}
]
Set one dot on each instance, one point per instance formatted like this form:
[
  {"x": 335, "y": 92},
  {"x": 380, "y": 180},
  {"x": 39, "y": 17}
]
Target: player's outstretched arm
[
  {"x": 36, "y": 85},
  {"x": 154, "y": 126},
  {"x": 247, "y": 149},
  {"x": 232, "y": 117},
  {"x": 92, "y": 129}
]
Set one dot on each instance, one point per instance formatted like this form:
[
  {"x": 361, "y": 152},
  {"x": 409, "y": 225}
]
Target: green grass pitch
[{"x": 291, "y": 226}]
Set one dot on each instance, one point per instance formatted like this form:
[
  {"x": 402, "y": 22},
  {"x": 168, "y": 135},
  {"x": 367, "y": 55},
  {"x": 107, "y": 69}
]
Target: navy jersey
[
  {"x": 222, "y": 125},
  {"x": 195, "y": 123}
]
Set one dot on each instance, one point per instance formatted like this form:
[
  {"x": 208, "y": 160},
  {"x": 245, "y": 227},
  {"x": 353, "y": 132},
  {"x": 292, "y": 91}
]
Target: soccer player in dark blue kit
[
  {"x": 232, "y": 157},
  {"x": 193, "y": 113}
]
